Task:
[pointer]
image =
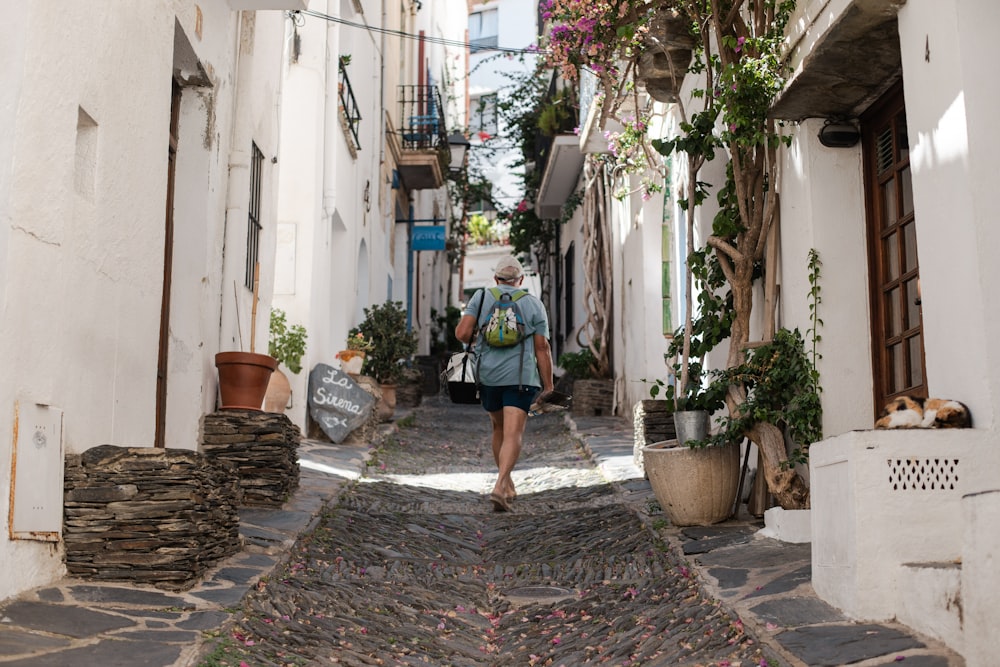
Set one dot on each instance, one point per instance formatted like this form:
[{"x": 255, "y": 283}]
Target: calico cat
[{"x": 918, "y": 412}]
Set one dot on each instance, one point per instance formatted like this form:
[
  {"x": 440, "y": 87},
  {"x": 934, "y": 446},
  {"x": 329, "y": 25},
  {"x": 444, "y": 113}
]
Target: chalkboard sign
[{"x": 336, "y": 402}]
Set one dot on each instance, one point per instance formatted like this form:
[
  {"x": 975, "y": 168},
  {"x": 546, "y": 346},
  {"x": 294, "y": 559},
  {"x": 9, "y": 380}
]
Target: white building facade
[
  {"x": 137, "y": 193},
  {"x": 368, "y": 103},
  {"x": 900, "y": 219}
]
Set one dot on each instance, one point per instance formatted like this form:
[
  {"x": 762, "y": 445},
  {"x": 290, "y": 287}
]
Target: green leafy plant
[
  {"x": 483, "y": 231},
  {"x": 358, "y": 343},
  {"x": 557, "y": 114},
  {"x": 581, "y": 365},
  {"x": 520, "y": 109},
  {"x": 815, "y": 298},
  {"x": 392, "y": 344},
  {"x": 779, "y": 378},
  {"x": 286, "y": 343},
  {"x": 782, "y": 388}
]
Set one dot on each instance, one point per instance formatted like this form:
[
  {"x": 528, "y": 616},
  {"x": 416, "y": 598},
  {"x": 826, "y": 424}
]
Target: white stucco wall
[
  {"x": 982, "y": 98},
  {"x": 640, "y": 345},
  {"x": 319, "y": 195},
  {"x": 822, "y": 208},
  {"x": 951, "y": 196},
  {"x": 87, "y": 94},
  {"x": 345, "y": 250},
  {"x": 858, "y": 559}
]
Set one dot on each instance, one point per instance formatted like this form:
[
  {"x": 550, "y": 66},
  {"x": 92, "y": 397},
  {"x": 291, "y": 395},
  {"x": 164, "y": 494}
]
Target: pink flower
[
  {"x": 739, "y": 44},
  {"x": 522, "y": 206}
]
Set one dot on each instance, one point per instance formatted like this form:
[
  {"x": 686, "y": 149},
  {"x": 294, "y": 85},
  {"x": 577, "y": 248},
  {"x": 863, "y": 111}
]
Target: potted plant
[
  {"x": 696, "y": 484},
  {"x": 392, "y": 346},
  {"x": 695, "y": 477},
  {"x": 693, "y": 408},
  {"x": 353, "y": 358},
  {"x": 287, "y": 344},
  {"x": 243, "y": 376}
]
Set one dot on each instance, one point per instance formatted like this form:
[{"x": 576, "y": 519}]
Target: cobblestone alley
[{"x": 413, "y": 567}]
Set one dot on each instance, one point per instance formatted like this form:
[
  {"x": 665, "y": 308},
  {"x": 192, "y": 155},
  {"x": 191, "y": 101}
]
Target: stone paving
[
  {"x": 394, "y": 556},
  {"x": 413, "y": 566}
]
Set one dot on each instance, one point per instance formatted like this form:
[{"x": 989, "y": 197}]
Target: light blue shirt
[{"x": 498, "y": 366}]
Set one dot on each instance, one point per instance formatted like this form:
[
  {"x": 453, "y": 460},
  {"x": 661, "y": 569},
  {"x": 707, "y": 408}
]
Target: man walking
[{"x": 512, "y": 370}]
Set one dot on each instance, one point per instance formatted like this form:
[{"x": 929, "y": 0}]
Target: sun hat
[{"x": 508, "y": 268}]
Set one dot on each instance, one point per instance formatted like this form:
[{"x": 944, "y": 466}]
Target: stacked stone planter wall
[
  {"x": 263, "y": 447},
  {"x": 652, "y": 421},
  {"x": 148, "y": 516},
  {"x": 593, "y": 398}
]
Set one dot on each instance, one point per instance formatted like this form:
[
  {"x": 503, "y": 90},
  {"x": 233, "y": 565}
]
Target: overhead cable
[{"x": 399, "y": 33}]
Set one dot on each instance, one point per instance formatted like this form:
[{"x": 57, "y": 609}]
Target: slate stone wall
[
  {"x": 652, "y": 421},
  {"x": 593, "y": 398},
  {"x": 147, "y": 515},
  {"x": 263, "y": 446}
]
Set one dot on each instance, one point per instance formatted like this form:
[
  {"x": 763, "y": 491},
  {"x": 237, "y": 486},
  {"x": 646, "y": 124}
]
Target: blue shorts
[{"x": 497, "y": 398}]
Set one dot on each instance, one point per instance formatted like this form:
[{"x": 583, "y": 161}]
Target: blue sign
[{"x": 428, "y": 237}]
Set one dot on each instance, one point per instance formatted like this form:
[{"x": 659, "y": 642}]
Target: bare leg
[
  {"x": 496, "y": 420},
  {"x": 511, "y": 424}
]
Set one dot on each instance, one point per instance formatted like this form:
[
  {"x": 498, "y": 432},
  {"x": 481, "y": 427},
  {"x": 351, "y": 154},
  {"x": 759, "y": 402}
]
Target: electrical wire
[{"x": 399, "y": 33}]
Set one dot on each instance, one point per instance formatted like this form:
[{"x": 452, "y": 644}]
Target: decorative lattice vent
[{"x": 923, "y": 474}]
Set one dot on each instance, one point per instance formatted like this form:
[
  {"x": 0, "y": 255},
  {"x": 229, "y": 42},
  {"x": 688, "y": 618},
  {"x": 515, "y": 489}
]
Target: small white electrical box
[{"x": 37, "y": 473}]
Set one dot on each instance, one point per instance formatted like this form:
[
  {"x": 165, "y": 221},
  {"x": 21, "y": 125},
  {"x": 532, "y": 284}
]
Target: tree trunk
[
  {"x": 597, "y": 293},
  {"x": 786, "y": 485}
]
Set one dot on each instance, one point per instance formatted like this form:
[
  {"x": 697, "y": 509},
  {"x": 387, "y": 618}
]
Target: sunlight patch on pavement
[
  {"x": 619, "y": 468},
  {"x": 554, "y": 477},
  {"x": 328, "y": 469}
]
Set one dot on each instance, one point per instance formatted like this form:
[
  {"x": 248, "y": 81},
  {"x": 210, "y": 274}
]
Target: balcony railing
[
  {"x": 422, "y": 119},
  {"x": 349, "y": 107}
]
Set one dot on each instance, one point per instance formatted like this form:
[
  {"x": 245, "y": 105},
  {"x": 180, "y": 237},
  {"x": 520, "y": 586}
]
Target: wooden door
[{"x": 897, "y": 322}]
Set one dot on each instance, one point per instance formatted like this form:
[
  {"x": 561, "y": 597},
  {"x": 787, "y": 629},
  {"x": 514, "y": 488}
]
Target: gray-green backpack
[{"x": 505, "y": 326}]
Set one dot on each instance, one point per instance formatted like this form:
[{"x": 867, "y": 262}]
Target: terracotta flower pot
[
  {"x": 387, "y": 406},
  {"x": 243, "y": 378},
  {"x": 351, "y": 361},
  {"x": 279, "y": 391}
]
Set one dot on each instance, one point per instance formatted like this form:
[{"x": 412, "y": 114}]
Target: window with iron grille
[
  {"x": 253, "y": 219},
  {"x": 350, "y": 114},
  {"x": 483, "y": 116}
]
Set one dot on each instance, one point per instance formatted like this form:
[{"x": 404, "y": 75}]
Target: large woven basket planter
[{"x": 695, "y": 487}]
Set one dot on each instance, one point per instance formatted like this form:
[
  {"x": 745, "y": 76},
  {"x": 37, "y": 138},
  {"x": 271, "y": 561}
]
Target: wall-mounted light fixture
[
  {"x": 839, "y": 134},
  {"x": 458, "y": 145}
]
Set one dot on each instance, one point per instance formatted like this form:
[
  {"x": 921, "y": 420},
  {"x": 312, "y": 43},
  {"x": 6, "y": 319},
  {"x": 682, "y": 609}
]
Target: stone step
[{"x": 930, "y": 600}]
